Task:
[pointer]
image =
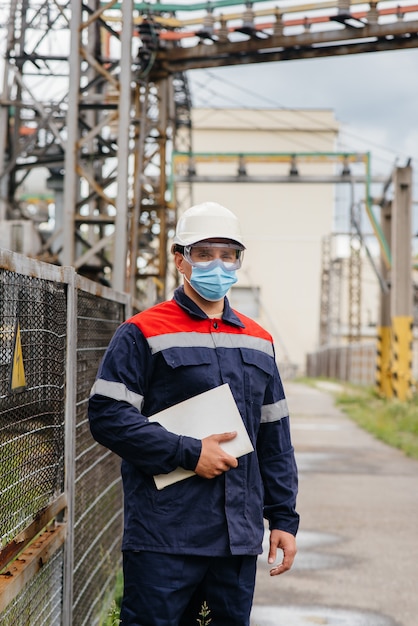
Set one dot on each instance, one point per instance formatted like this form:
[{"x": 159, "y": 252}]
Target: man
[{"x": 197, "y": 540}]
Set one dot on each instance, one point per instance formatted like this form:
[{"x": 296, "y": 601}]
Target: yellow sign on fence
[{"x": 18, "y": 370}]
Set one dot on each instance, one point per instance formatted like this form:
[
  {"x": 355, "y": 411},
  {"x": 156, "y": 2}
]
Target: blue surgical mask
[{"x": 212, "y": 284}]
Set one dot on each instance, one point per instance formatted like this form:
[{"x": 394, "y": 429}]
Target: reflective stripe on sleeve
[
  {"x": 274, "y": 412},
  {"x": 117, "y": 391},
  {"x": 207, "y": 340}
]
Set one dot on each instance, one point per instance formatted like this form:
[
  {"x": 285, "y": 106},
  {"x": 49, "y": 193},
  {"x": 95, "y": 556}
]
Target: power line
[
  {"x": 298, "y": 142},
  {"x": 302, "y": 114}
]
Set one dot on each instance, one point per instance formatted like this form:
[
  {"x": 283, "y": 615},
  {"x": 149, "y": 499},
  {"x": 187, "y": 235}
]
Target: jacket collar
[{"x": 192, "y": 309}]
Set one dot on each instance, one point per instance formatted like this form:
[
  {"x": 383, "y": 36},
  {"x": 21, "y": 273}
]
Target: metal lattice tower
[
  {"x": 140, "y": 211},
  {"x": 324, "y": 317},
  {"x": 101, "y": 120},
  {"x": 183, "y": 133},
  {"x": 335, "y": 299},
  {"x": 330, "y": 304},
  {"x": 354, "y": 284}
]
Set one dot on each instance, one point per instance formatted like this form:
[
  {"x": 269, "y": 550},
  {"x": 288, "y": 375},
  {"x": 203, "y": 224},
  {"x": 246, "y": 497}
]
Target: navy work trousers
[{"x": 169, "y": 589}]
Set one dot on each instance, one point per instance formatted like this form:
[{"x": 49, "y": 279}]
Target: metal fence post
[{"x": 70, "y": 419}]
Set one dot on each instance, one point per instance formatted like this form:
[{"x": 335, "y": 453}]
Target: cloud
[{"x": 373, "y": 95}]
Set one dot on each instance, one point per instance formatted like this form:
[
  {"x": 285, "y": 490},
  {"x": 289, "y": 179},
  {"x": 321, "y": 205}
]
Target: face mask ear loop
[{"x": 194, "y": 289}]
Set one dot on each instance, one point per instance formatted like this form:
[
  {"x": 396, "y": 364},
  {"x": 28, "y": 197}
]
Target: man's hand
[
  {"x": 214, "y": 461},
  {"x": 286, "y": 542}
]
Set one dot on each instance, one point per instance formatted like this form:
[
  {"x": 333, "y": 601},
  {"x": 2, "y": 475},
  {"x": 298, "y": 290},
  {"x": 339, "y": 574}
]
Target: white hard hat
[{"x": 206, "y": 221}]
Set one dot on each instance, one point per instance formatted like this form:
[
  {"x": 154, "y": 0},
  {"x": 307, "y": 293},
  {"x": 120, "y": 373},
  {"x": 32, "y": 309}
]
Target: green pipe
[
  {"x": 384, "y": 247},
  {"x": 161, "y": 7},
  {"x": 364, "y": 155},
  {"x": 385, "y": 250}
]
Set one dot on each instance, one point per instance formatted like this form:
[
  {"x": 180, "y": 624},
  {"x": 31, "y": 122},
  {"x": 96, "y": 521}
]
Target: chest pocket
[
  {"x": 258, "y": 370},
  {"x": 187, "y": 372}
]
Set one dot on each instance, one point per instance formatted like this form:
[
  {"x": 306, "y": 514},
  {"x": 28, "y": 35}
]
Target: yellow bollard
[
  {"x": 402, "y": 357},
  {"x": 383, "y": 362}
]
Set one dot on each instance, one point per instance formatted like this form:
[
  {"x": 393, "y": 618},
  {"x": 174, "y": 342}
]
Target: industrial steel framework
[{"x": 98, "y": 91}]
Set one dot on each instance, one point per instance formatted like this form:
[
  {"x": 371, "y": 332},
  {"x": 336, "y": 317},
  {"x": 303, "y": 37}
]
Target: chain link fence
[
  {"x": 32, "y": 406},
  {"x": 60, "y": 491}
]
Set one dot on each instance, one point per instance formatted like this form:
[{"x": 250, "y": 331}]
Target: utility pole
[
  {"x": 394, "y": 336},
  {"x": 384, "y": 330},
  {"x": 401, "y": 297}
]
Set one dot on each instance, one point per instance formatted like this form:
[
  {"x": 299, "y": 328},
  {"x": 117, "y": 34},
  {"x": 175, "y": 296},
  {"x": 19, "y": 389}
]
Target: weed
[
  {"x": 204, "y": 614},
  {"x": 113, "y": 616}
]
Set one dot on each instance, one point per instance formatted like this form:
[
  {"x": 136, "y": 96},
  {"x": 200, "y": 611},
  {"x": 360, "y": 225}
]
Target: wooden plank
[
  {"x": 29, "y": 563},
  {"x": 42, "y": 519}
]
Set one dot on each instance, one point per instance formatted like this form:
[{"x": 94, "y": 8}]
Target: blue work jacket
[{"x": 165, "y": 355}]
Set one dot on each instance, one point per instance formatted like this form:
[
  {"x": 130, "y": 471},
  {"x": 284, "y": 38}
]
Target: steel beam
[
  {"x": 289, "y": 179},
  {"x": 70, "y": 161},
  {"x": 120, "y": 246},
  {"x": 342, "y": 41}
]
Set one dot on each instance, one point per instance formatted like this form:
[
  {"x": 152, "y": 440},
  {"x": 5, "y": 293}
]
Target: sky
[{"x": 374, "y": 97}]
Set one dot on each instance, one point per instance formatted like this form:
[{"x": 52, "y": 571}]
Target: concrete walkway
[{"x": 357, "y": 563}]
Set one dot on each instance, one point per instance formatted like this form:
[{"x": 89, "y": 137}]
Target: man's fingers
[
  {"x": 282, "y": 567},
  {"x": 286, "y": 542},
  {"x": 225, "y": 436},
  {"x": 277, "y": 569},
  {"x": 229, "y": 461},
  {"x": 213, "y": 459}
]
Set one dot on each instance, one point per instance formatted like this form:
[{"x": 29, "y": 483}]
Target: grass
[
  {"x": 391, "y": 421},
  {"x": 111, "y": 617}
]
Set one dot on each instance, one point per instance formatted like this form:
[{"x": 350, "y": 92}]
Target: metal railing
[
  {"x": 355, "y": 362},
  {"x": 60, "y": 491}
]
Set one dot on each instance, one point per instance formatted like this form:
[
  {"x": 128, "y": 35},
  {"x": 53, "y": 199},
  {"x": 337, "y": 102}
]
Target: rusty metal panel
[
  {"x": 23, "y": 570},
  {"x": 40, "y": 601}
]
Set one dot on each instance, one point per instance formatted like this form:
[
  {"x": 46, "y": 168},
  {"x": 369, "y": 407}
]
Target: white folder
[{"x": 209, "y": 413}]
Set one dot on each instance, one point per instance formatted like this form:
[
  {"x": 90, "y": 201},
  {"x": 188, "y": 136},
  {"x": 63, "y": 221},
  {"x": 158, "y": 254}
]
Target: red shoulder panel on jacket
[{"x": 168, "y": 317}]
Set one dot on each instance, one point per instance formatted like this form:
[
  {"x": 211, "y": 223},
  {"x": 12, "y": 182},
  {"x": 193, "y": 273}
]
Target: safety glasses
[{"x": 206, "y": 255}]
